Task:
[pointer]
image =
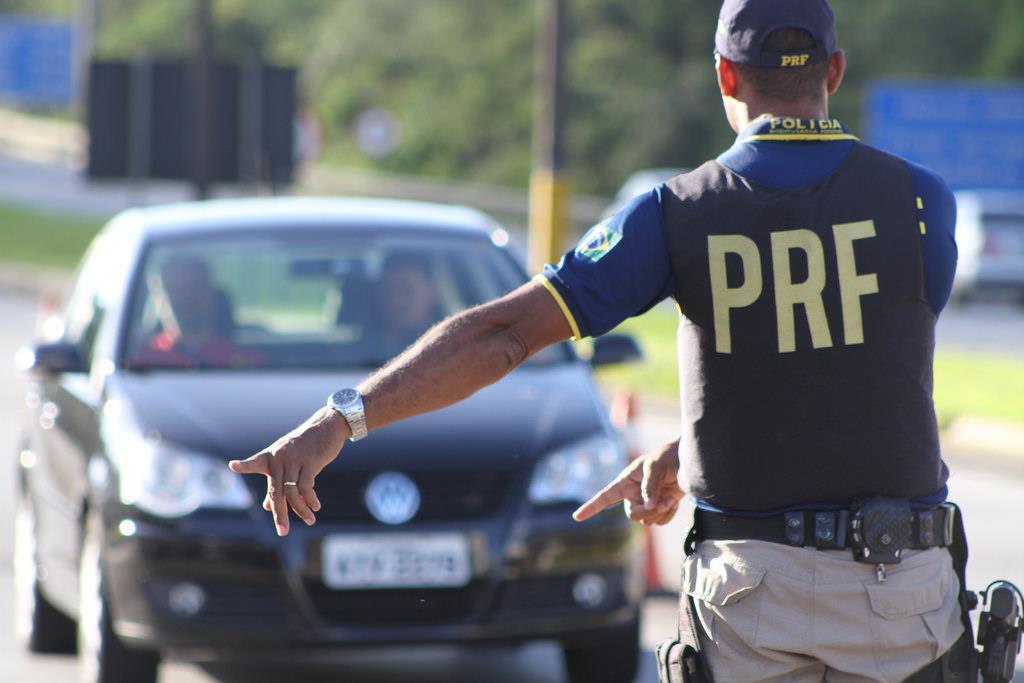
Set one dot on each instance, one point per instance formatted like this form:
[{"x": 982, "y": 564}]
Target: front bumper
[{"x": 265, "y": 592}]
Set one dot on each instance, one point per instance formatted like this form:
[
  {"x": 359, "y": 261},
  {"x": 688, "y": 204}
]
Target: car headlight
[
  {"x": 577, "y": 471},
  {"x": 167, "y": 481}
]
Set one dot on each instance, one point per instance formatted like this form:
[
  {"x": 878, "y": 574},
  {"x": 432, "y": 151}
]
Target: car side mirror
[
  {"x": 610, "y": 349},
  {"x": 55, "y": 358}
]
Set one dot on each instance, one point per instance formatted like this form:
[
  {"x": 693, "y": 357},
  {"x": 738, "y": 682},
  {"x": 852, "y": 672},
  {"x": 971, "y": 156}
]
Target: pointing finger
[
  {"x": 255, "y": 464},
  {"x": 608, "y": 496}
]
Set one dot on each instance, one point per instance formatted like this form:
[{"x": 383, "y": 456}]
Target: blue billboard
[
  {"x": 35, "y": 61},
  {"x": 970, "y": 133}
]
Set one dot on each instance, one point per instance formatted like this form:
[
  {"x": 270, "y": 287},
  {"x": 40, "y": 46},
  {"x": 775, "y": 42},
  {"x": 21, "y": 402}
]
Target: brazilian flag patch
[{"x": 599, "y": 240}]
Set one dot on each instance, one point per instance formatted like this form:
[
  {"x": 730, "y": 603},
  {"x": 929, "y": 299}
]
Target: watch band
[{"x": 349, "y": 403}]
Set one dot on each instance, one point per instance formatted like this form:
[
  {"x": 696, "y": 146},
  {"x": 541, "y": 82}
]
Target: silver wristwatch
[{"x": 349, "y": 403}]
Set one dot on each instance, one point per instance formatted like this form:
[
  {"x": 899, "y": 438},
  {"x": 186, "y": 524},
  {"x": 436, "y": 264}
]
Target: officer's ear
[
  {"x": 836, "y": 71},
  {"x": 726, "y": 71}
]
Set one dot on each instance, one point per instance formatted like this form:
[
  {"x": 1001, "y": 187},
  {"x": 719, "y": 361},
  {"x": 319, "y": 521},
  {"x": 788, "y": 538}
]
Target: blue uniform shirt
[{"x": 621, "y": 266}]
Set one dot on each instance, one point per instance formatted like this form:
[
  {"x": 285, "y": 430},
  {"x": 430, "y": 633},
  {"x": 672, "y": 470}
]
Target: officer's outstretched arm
[
  {"x": 453, "y": 360},
  {"x": 463, "y": 354},
  {"x": 648, "y": 486}
]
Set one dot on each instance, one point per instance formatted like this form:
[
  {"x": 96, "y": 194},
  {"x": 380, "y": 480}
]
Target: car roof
[{"x": 229, "y": 215}]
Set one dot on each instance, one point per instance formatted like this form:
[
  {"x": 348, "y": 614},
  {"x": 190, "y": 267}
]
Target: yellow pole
[
  {"x": 549, "y": 182},
  {"x": 550, "y": 194}
]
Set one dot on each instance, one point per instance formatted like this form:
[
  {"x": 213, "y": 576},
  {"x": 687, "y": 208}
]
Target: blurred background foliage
[{"x": 458, "y": 74}]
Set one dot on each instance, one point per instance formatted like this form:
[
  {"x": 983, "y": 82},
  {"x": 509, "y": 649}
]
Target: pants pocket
[
  {"x": 919, "y": 615},
  {"x": 725, "y": 590},
  {"x": 718, "y": 582}
]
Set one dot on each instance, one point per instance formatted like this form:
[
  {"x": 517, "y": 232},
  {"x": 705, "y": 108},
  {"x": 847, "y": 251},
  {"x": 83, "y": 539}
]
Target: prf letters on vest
[{"x": 789, "y": 294}]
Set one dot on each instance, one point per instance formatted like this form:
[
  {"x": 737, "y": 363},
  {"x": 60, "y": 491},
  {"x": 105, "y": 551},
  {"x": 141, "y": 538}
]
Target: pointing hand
[
  {"x": 292, "y": 463},
  {"x": 648, "y": 487}
]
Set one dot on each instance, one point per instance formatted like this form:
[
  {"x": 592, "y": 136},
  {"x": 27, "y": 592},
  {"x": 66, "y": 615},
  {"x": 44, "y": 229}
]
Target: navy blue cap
[{"x": 743, "y": 26}]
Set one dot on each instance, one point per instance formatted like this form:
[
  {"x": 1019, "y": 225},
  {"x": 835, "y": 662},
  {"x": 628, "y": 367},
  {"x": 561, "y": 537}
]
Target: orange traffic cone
[{"x": 652, "y": 575}]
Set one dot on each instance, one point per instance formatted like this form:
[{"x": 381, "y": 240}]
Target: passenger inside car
[{"x": 408, "y": 302}]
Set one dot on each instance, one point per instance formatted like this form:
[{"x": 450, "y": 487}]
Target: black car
[{"x": 198, "y": 333}]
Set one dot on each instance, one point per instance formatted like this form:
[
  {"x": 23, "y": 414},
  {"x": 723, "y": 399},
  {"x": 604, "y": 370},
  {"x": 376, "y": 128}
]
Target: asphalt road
[
  {"x": 988, "y": 495},
  {"x": 984, "y": 326}
]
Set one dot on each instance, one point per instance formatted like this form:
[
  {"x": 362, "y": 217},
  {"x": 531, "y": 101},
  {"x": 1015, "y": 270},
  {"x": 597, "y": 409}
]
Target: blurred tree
[
  {"x": 457, "y": 74},
  {"x": 644, "y": 92},
  {"x": 38, "y": 7},
  {"x": 1005, "y": 56},
  {"x": 128, "y": 28}
]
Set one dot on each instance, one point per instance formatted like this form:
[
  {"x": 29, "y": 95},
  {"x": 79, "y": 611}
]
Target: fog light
[
  {"x": 186, "y": 599},
  {"x": 590, "y": 590}
]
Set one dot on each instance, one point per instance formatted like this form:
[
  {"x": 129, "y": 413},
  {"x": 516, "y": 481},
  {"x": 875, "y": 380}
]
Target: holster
[
  {"x": 960, "y": 663},
  {"x": 680, "y": 659},
  {"x": 669, "y": 654},
  {"x": 680, "y": 662}
]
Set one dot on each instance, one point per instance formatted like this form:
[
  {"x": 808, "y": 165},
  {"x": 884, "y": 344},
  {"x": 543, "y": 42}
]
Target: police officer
[{"x": 809, "y": 270}]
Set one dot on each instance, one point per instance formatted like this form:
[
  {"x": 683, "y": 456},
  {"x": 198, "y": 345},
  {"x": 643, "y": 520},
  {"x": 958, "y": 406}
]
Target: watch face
[{"x": 344, "y": 398}]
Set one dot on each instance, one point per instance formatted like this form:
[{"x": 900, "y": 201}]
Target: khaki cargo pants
[{"x": 772, "y": 612}]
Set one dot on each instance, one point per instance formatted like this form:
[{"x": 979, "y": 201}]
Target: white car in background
[
  {"x": 638, "y": 183},
  {"x": 990, "y": 242}
]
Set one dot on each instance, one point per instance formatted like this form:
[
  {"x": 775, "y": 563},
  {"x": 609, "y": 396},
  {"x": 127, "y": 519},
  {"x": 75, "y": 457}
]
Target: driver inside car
[{"x": 195, "y": 320}]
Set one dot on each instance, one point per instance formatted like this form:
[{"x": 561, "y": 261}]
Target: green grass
[
  {"x": 33, "y": 238},
  {"x": 978, "y": 384},
  {"x": 657, "y": 376},
  {"x": 965, "y": 383}
]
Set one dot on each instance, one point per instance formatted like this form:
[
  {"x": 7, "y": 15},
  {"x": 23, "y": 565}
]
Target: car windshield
[{"x": 306, "y": 301}]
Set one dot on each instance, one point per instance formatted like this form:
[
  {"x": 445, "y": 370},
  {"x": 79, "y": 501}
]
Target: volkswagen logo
[{"x": 392, "y": 498}]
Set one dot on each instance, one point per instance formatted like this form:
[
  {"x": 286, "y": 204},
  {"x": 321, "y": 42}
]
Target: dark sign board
[
  {"x": 970, "y": 133},
  {"x": 141, "y": 119},
  {"x": 35, "y": 61}
]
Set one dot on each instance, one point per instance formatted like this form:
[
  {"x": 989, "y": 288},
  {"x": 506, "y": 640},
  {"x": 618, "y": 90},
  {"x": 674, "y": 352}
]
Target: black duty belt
[{"x": 901, "y": 527}]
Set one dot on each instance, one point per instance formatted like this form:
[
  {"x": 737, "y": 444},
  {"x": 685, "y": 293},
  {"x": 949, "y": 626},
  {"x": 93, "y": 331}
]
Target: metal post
[
  {"x": 250, "y": 123},
  {"x": 549, "y": 182},
  {"x": 86, "y": 20},
  {"x": 203, "y": 111},
  {"x": 140, "y": 128}
]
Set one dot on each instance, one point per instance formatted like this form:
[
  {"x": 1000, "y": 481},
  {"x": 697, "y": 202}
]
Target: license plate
[{"x": 396, "y": 561}]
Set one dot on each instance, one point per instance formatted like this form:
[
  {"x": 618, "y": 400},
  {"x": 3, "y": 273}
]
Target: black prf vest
[{"x": 805, "y": 346}]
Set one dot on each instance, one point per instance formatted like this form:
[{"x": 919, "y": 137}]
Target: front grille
[
  {"x": 538, "y": 593},
  {"x": 551, "y": 596},
  {"x": 227, "y": 604},
  {"x": 443, "y": 495},
  {"x": 163, "y": 551},
  {"x": 406, "y": 607}
]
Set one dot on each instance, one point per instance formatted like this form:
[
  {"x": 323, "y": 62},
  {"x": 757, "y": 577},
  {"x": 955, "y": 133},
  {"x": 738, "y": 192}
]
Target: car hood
[{"x": 235, "y": 414}]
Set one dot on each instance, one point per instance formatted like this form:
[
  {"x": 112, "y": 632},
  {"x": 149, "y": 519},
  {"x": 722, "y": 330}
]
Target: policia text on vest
[{"x": 790, "y": 294}]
